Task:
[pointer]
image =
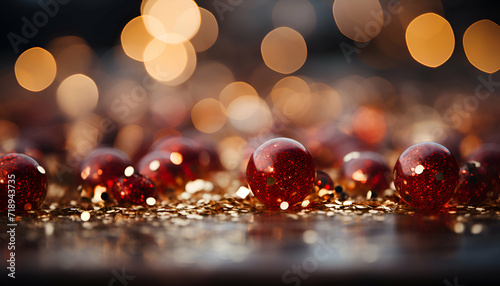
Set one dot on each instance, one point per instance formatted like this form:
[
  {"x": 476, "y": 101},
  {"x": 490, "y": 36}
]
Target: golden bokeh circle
[
  {"x": 430, "y": 39},
  {"x": 482, "y": 45},
  {"x": 284, "y": 50},
  {"x": 35, "y": 69}
]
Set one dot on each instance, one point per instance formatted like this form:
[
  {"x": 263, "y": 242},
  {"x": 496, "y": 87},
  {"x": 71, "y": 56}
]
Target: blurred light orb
[
  {"x": 77, "y": 95},
  {"x": 284, "y": 50},
  {"x": 249, "y": 114},
  {"x": 135, "y": 37},
  {"x": 208, "y": 32},
  {"x": 170, "y": 63},
  {"x": 208, "y": 115},
  {"x": 178, "y": 17},
  {"x": 359, "y": 20},
  {"x": 234, "y": 90},
  {"x": 296, "y": 14},
  {"x": 35, "y": 69},
  {"x": 430, "y": 39},
  {"x": 481, "y": 44},
  {"x": 291, "y": 96}
]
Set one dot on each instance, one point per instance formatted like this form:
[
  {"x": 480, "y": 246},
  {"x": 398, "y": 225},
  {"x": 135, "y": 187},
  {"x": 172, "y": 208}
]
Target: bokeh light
[
  {"x": 249, "y": 114},
  {"x": 359, "y": 20},
  {"x": 284, "y": 50},
  {"x": 208, "y": 115},
  {"x": 208, "y": 32},
  {"x": 178, "y": 17},
  {"x": 291, "y": 96},
  {"x": 234, "y": 90},
  {"x": 77, "y": 95},
  {"x": 135, "y": 37},
  {"x": 35, "y": 69},
  {"x": 296, "y": 14},
  {"x": 174, "y": 64},
  {"x": 482, "y": 45},
  {"x": 430, "y": 39}
]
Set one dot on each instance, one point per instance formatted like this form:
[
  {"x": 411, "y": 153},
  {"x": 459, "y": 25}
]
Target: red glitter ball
[
  {"x": 166, "y": 175},
  {"x": 488, "y": 155},
  {"x": 474, "y": 185},
  {"x": 23, "y": 180},
  {"x": 102, "y": 168},
  {"x": 134, "y": 189},
  {"x": 426, "y": 175},
  {"x": 281, "y": 170},
  {"x": 365, "y": 171}
]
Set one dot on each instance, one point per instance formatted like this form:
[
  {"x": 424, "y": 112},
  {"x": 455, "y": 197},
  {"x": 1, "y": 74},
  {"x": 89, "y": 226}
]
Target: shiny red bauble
[
  {"x": 102, "y": 168},
  {"x": 488, "y": 155},
  {"x": 134, "y": 189},
  {"x": 23, "y": 183},
  {"x": 281, "y": 173},
  {"x": 474, "y": 185},
  {"x": 167, "y": 176},
  {"x": 365, "y": 171},
  {"x": 426, "y": 175},
  {"x": 184, "y": 152}
]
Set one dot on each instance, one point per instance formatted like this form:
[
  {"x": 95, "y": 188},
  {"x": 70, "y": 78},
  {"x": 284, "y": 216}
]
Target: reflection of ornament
[
  {"x": 426, "y": 175},
  {"x": 102, "y": 168},
  {"x": 474, "y": 184},
  {"x": 363, "y": 172},
  {"x": 23, "y": 183},
  {"x": 281, "y": 172},
  {"x": 134, "y": 189}
]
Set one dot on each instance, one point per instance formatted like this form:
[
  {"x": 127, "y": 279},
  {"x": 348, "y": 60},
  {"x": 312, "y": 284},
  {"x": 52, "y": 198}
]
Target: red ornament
[
  {"x": 474, "y": 185},
  {"x": 23, "y": 183},
  {"x": 184, "y": 152},
  {"x": 166, "y": 175},
  {"x": 281, "y": 172},
  {"x": 102, "y": 168},
  {"x": 134, "y": 189},
  {"x": 488, "y": 155},
  {"x": 365, "y": 171},
  {"x": 426, "y": 175}
]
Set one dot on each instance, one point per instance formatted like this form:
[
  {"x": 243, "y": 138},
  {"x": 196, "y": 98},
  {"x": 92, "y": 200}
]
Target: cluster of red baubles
[
  {"x": 426, "y": 175},
  {"x": 281, "y": 173}
]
